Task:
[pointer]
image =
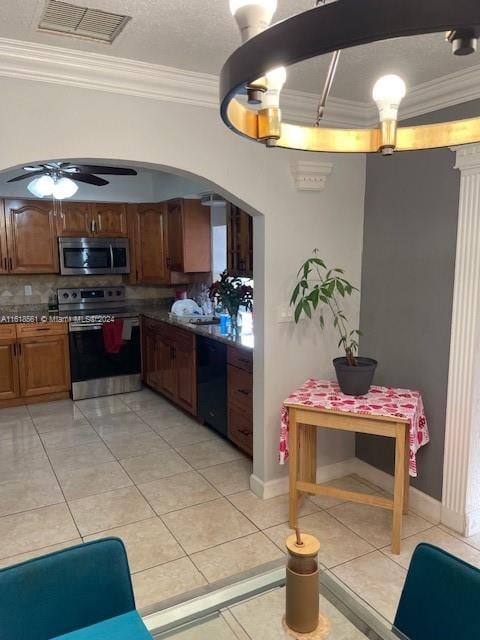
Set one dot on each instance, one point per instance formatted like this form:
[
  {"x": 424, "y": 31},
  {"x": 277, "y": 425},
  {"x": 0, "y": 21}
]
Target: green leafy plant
[
  {"x": 232, "y": 293},
  {"x": 319, "y": 287}
]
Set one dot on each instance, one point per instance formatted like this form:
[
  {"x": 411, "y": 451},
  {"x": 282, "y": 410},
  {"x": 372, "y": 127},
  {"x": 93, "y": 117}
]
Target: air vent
[{"x": 65, "y": 18}]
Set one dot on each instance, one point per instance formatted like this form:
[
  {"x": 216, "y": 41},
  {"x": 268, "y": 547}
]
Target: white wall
[{"x": 192, "y": 139}]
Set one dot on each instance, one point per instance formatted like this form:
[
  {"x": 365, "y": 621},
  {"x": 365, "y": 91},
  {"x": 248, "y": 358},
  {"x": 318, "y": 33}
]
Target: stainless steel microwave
[{"x": 93, "y": 256}]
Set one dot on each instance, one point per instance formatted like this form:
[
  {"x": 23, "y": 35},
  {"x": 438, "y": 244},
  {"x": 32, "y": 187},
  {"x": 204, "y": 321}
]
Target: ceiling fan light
[
  {"x": 64, "y": 188},
  {"x": 41, "y": 187},
  {"x": 388, "y": 92},
  {"x": 252, "y": 16}
]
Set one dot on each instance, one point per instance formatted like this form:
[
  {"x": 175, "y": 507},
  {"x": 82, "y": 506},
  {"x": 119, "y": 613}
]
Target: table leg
[
  {"x": 399, "y": 487},
  {"x": 293, "y": 467},
  {"x": 307, "y": 437},
  {"x": 406, "y": 495}
]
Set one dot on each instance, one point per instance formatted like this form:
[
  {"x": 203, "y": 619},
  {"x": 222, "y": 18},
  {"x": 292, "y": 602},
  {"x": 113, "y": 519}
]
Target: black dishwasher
[{"x": 212, "y": 383}]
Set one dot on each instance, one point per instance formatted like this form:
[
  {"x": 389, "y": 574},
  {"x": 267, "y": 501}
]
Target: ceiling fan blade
[
  {"x": 108, "y": 171},
  {"x": 24, "y": 177},
  {"x": 33, "y": 168},
  {"x": 84, "y": 177}
]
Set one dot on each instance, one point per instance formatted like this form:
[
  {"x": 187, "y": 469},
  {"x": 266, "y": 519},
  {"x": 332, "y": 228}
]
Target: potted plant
[
  {"x": 232, "y": 293},
  {"x": 320, "y": 288}
]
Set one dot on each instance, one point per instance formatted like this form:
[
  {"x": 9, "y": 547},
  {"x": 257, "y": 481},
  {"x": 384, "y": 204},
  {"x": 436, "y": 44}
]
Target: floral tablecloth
[{"x": 380, "y": 401}]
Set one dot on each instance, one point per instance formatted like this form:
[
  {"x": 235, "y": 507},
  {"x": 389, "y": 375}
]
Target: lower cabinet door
[
  {"x": 149, "y": 357},
  {"x": 9, "y": 381},
  {"x": 167, "y": 379},
  {"x": 240, "y": 429},
  {"x": 44, "y": 365},
  {"x": 185, "y": 365}
]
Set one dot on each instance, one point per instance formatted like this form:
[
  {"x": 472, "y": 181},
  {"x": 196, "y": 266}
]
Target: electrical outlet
[{"x": 28, "y": 289}]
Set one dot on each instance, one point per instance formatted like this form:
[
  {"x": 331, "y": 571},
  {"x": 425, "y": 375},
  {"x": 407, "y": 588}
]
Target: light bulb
[
  {"x": 269, "y": 5},
  {"x": 64, "y": 188},
  {"x": 388, "y": 93},
  {"x": 42, "y": 186},
  {"x": 252, "y": 16},
  {"x": 276, "y": 78}
]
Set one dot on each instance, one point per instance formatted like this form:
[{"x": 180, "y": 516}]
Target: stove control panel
[{"x": 94, "y": 295}]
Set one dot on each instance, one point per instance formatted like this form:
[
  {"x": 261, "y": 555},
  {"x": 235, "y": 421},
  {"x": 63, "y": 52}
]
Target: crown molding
[
  {"x": 447, "y": 91},
  {"x": 56, "y": 65}
]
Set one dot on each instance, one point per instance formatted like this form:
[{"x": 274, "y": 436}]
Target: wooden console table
[{"x": 303, "y": 424}]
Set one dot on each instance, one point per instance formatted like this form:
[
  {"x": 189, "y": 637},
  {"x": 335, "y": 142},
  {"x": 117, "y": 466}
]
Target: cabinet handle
[
  {"x": 245, "y": 392},
  {"x": 42, "y": 329},
  {"x": 11, "y": 264},
  {"x": 14, "y": 349},
  {"x": 19, "y": 348},
  {"x": 244, "y": 432},
  {"x": 5, "y": 262}
]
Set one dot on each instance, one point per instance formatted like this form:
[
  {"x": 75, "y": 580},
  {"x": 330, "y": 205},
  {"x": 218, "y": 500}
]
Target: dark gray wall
[{"x": 411, "y": 211}]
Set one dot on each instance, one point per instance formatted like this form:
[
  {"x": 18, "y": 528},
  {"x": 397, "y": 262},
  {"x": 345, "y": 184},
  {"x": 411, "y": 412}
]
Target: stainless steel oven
[
  {"x": 93, "y": 256},
  {"x": 104, "y": 337}
]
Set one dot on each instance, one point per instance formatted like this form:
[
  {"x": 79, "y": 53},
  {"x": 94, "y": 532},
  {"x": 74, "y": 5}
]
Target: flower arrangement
[{"x": 231, "y": 293}]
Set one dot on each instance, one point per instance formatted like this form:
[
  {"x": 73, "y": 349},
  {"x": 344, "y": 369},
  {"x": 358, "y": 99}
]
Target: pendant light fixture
[{"x": 258, "y": 68}]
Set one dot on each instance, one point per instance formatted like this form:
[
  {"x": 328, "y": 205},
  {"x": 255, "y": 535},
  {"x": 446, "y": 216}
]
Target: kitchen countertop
[
  {"x": 243, "y": 340},
  {"x": 17, "y": 314}
]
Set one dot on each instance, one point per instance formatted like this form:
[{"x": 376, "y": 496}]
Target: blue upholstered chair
[
  {"x": 440, "y": 598},
  {"x": 81, "y": 593}
]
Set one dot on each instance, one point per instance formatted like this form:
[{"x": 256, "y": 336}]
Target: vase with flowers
[{"x": 232, "y": 293}]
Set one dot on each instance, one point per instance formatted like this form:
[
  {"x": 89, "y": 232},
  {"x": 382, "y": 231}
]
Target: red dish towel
[{"x": 112, "y": 336}]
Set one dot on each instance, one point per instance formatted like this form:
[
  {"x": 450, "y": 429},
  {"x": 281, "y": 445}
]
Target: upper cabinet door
[
  {"x": 189, "y": 237},
  {"x": 239, "y": 242},
  {"x": 175, "y": 258},
  {"x": 74, "y": 220},
  {"x": 31, "y": 236},
  {"x": 150, "y": 244},
  {"x": 3, "y": 242},
  {"x": 109, "y": 220}
]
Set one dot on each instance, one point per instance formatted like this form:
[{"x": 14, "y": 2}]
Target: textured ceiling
[{"x": 198, "y": 35}]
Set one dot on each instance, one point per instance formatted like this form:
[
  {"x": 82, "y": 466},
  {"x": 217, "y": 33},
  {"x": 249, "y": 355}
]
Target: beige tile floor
[{"x": 135, "y": 467}]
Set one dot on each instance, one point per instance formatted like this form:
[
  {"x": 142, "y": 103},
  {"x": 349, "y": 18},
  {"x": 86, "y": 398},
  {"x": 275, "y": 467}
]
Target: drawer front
[
  {"x": 240, "y": 389},
  {"x": 38, "y": 329},
  {"x": 240, "y": 358},
  {"x": 240, "y": 429},
  {"x": 7, "y": 331}
]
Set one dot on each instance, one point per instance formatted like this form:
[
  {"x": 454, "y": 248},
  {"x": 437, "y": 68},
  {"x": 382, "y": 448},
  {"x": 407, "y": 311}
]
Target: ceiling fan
[{"x": 59, "y": 178}]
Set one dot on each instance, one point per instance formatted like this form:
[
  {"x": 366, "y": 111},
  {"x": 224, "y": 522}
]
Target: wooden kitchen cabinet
[
  {"x": 109, "y": 220},
  {"x": 186, "y": 370},
  {"x": 170, "y": 241},
  {"x": 34, "y": 363},
  {"x": 169, "y": 359},
  {"x": 74, "y": 220},
  {"x": 240, "y": 398},
  {"x": 30, "y": 237},
  {"x": 4, "y": 264},
  {"x": 9, "y": 380},
  {"x": 148, "y": 242},
  {"x": 92, "y": 219},
  {"x": 44, "y": 365},
  {"x": 189, "y": 237},
  {"x": 239, "y": 242}
]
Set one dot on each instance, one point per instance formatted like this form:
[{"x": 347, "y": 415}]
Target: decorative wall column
[{"x": 461, "y": 475}]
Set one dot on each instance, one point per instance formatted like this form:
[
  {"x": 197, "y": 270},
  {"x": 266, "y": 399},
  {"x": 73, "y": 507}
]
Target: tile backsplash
[{"x": 12, "y": 288}]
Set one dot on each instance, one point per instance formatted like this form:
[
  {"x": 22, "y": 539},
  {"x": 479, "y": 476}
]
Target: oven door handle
[
  {"x": 112, "y": 266},
  {"x": 76, "y": 328}
]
